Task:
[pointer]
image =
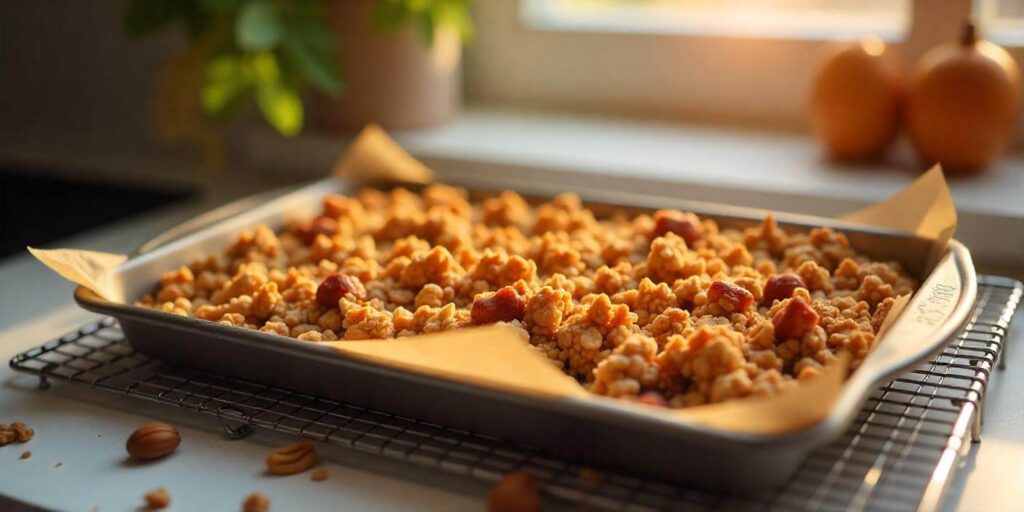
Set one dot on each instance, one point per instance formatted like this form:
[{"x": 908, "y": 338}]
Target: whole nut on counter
[
  {"x": 153, "y": 441},
  {"x": 517, "y": 492},
  {"x": 291, "y": 459}
]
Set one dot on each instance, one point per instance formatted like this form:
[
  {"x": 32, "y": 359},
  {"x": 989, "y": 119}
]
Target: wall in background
[{"x": 75, "y": 93}]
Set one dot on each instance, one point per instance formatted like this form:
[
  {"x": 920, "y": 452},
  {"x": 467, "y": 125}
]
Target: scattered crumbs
[
  {"x": 318, "y": 475},
  {"x": 256, "y": 502},
  {"x": 157, "y": 499},
  {"x": 58, "y": 464},
  {"x": 26, "y": 454}
]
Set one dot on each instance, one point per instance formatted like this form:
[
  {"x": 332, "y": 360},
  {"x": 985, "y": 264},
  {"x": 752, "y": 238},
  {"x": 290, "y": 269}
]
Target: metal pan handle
[{"x": 934, "y": 314}]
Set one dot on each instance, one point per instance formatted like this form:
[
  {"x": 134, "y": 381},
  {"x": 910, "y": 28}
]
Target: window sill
[{"x": 766, "y": 170}]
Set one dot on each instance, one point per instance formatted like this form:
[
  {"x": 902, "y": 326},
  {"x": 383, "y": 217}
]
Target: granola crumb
[
  {"x": 58, "y": 464},
  {"x": 318, "y": 475},
  {"x": 517, "y": 492},
  {"x": 157, "y": 499},
  {"x": 17, "y": 432},
  {"x": 26, "y": 455},
  {"x": 256, "y": 502}
]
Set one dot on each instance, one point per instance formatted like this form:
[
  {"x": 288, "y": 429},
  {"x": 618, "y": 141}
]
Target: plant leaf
[
  {"x": 258, "y": 26},
  {"x": 312, "y": 32},
  {"x": 319, "y": 67},
  {"x": 262, "y": 67},
  {"x": 225, "y": 85},
  {"x": 281, "y": 107},
  {"x": 427, "y": 26},
  {"x": 427, "y": 15},
  {"x": 455, "y": 14}
]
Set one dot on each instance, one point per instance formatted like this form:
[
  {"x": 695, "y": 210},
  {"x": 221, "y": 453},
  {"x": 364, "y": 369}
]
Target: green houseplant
[{"x": 262, "y": 52}]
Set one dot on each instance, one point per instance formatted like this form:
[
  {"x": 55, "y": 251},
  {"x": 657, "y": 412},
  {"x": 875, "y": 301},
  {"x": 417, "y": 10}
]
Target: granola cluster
[
  {"x": 665, "y": 309},
  {"x": 17, "y": 432}
]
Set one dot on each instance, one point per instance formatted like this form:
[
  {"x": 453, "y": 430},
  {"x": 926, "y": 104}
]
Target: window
[
  {"x": 1003, "y": 20},
  {"x": 810, "y": 19},
  {"x": 737, "y": 62}
]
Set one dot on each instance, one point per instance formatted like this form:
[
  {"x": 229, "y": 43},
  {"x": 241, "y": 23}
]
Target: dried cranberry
[
  {"x": 794, "y": 320},
  {"x": 732, "y": 293},
  {"x": 686, "y": 225},
  {"x": 309, "y": 230},
  {"x": 652, "y": 398},
  {"x": 504, "y": 305},
  {"x": 781, "y": 286},
  {"x": 335, "y": 286}
]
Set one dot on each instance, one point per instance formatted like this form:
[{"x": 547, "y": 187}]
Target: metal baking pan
[{"x": 591, "y": 432}]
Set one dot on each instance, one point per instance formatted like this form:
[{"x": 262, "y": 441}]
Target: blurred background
[{"x": 145, "y": 112}]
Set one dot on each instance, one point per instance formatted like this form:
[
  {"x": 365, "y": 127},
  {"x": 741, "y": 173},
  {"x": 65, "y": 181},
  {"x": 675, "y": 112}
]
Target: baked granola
[{"x": 666, "y": 309}]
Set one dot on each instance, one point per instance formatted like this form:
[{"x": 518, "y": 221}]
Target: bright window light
[
  {"x": 1001, "y": 20},
  {"x": 789, "y": 19}
]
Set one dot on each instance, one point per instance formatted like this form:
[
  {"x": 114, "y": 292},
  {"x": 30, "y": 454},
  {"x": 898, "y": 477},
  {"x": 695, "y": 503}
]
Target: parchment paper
[
  {"x": 496, "y": 357},
  {"x": 90, "y": 269}
]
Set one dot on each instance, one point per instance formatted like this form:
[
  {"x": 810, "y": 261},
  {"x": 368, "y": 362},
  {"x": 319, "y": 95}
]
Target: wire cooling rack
[{"x": 897, "y": 455}]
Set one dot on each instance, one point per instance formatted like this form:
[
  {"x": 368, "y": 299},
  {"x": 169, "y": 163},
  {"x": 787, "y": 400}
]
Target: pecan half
[
  {"x": 153, "y": 441},
  {"x": 291, "y": 459}
]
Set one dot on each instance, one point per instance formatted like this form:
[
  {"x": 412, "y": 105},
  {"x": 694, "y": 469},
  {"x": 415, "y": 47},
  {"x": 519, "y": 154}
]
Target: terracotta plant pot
[{"x": 392, "y": 78}]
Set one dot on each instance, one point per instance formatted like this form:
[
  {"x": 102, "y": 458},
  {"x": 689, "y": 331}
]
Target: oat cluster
[
  {"x": 17, "y": 432},
  {"x": 665, "y": 309}
]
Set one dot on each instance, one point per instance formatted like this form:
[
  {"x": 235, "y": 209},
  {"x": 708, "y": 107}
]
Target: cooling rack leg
[
  {"x": 976, "y": 422},
  {"x": 44, "y": 383},
  {"x": 1002, "y": 355},
  {"x": 233, "y": 428}
]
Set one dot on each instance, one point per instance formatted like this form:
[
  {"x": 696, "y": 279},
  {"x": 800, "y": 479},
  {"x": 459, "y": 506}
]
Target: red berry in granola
[
  {"x": 732, "y": 297},
  {"x": 503, "y": 305},
  {"x": 652, "y": 398},
  {"x": 781, "y": 286},
  {"x": 326, "y": 226},
  {"x": 335, "y": 286},
  {"x": 686, "y": 225}
]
